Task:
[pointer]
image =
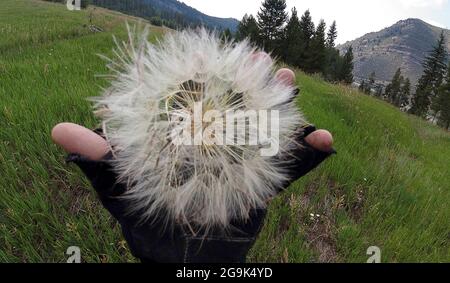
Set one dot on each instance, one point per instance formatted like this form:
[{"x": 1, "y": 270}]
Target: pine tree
[
  {"x": 405, "y": 93},
  {"x": 346, "y": 70},
  {"x": 443, "y": 99},
  {"x": 307, "y": 32},
  {"x": 333, "y": 60},
  {"x": 248, "y": 28},
  {"x": 333, "y": 64},
  {"x": 393, "y": 89},
  {"x": 317, "y": 51},
  {"x": 271, "y": 20},
  {"x": 431, "y": 80},
  {"x": 292, "y": 43},
  {"x": 307, "y": 26},
  {"x": 332, "y": 35},
  {"x": 242, "y": 32}
]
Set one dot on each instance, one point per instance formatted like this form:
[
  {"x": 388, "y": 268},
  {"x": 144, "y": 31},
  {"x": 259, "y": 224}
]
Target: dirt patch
[
  {"x": 318, "y": 216},
  {"x": 353, "y": 204},
  {"x": 320, "y": 236},
  {"x": 313, "y": 212},
  {"x": 356, "y": 207},
  {"x": 316, "y": 219}
]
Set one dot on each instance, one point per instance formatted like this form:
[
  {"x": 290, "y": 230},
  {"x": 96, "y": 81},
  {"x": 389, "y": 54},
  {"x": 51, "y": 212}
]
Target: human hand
[{"x": 91, "y": 152}]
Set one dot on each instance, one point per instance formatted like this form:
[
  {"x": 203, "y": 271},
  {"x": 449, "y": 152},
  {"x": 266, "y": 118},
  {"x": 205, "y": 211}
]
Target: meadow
[{"x": 387, "y": 187}]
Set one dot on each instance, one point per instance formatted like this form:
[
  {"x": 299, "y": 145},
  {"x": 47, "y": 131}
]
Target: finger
[
  {"x": 321, "y": 140},
  {"x": 76, "y": 139},
  {"x": 286, "y": 76},
  {"x": 263, "y": 56}
]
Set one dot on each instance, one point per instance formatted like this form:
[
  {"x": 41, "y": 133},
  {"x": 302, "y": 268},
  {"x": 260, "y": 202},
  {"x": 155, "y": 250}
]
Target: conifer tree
[
  {"x": 333, "y": 64},
  {"x": 317, "y": 50},
  {"x": 271, "y": 20},
  {"x": 248, "y": 28},
  {"x": 443, "y": 100},
  {"x": 333, "y": 60},
  {"x": 346, "y": 70},
  {"x": 307, "y": 26},
  {"x": 307, "y": 32},
  {"x": 292, "y": 43},
  {"x": 405, "y": 93},
  {"x": 332, "y": 35},
  {"x": 433, "y": 75},
  {"x": 394, "y": 88}
]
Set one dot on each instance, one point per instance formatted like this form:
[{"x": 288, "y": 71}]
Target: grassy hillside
[{"x": 387, "y": 187}]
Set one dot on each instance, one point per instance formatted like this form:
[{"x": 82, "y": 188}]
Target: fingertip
[
  {"x": 321, "y": 140},
  {"x": 59, "y": 131},
  {"x": 76, "y": 139},
  {"x": 263, "y": 56},
  {"x": 286, "y": 76}
]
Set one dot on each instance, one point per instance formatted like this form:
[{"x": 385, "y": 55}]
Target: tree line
[
  {"x": 297, "y": 41},
  {"x": 397, "y": 92},
  {"x": 431, "y": 99},
  {"x": 158, "y": 13}
]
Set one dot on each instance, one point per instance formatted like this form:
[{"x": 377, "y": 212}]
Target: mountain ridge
[
  {"x": 403, "y": 45},
  {"x": 173, "y": 10},
  {"x": 186, "y": 10}
]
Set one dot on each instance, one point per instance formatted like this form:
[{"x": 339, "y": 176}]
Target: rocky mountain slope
[{"x": 404, "y": 45}]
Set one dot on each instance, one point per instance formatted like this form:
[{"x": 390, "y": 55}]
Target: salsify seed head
[{"x": 152, "y": 102}]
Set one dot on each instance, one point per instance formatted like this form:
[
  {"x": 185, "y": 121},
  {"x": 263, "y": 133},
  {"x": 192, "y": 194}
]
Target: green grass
[{"x": 387, "y": 187}]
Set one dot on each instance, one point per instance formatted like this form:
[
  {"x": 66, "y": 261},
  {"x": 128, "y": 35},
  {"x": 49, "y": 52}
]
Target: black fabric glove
[{"x": 157, "y": 240}]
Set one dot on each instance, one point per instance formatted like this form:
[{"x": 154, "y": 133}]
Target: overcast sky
[{"x": 354, "y": 17}]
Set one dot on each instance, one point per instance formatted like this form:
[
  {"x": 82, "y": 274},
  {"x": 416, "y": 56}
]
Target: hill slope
[
  {"x": 405, "y": 45},
  {"x": 168, "y": 9},
  {"x": 387, "y": 187}
]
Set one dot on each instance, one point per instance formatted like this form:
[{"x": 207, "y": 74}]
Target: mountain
[
  {"x": 169, "y": 12},
  {"x": 404, "y": 45}
]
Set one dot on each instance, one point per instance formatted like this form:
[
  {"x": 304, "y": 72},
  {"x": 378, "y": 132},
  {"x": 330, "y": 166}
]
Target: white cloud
[{"x": 423, "y": 3}]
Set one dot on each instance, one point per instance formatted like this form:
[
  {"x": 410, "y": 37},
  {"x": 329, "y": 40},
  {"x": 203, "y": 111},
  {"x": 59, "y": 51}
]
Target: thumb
[{"x": 76, "y": 139}]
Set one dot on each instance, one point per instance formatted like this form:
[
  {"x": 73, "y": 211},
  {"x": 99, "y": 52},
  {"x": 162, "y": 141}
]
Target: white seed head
[{"x": 154, "y": 85}]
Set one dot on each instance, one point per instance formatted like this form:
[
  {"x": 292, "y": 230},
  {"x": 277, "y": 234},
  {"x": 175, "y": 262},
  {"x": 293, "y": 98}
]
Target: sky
[{"x": 354, "y": 18}]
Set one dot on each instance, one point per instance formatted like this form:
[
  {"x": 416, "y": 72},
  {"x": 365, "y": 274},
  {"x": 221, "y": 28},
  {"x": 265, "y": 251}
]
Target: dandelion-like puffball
[{"x": 147, "y": 115}]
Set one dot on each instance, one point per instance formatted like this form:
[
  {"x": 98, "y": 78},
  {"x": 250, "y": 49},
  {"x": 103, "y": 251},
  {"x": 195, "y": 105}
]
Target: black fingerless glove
[{"x": 157, "y": 240}]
